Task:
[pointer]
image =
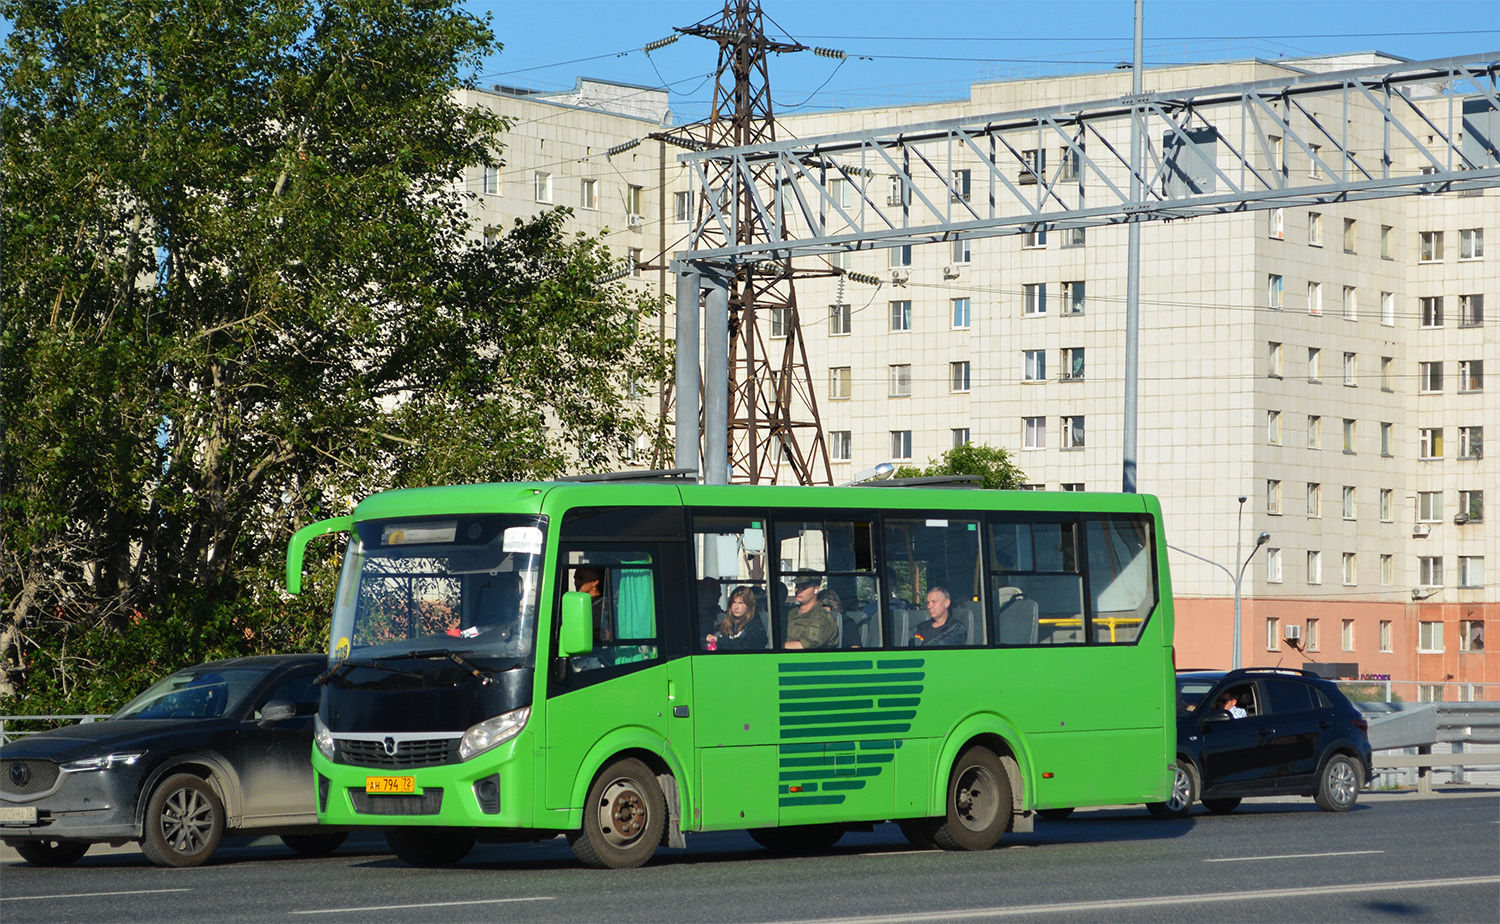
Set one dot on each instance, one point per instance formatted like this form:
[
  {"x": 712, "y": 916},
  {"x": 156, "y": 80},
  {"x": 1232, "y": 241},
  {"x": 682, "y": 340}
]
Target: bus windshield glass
[{"x": 464, "y": 585}]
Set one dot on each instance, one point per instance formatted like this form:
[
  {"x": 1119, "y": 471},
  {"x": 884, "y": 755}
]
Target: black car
[
  {"x": 1265, "y": 732},
  {"x": 224, "y": 747}
]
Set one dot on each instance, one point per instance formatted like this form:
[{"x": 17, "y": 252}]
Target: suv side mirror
[
  {"x": 1216, "y": 715},
  {"x": 277, "y": 710}
]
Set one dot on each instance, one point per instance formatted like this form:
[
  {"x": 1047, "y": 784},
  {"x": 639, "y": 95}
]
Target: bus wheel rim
[
  {"x": 623, "y": 813},
  {"x": 976, "y": 798}
]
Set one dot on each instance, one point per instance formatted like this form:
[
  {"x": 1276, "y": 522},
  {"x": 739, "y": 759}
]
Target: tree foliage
[
  {"x": 241, "y": 291},
  {"x": 993, "y": 465}
]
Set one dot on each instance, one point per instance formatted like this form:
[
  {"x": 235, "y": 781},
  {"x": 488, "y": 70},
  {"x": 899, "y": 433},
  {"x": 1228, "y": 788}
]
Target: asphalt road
[{"x": 1396, "y": 857}]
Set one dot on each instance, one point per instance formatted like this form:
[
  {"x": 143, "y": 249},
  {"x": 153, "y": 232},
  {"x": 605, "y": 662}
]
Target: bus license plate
[
  {"x": 390, "y": 784},
  {"x": 18, "y": 815}
]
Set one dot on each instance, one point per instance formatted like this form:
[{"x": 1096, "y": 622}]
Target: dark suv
[{"x": 1298, "y": 735}]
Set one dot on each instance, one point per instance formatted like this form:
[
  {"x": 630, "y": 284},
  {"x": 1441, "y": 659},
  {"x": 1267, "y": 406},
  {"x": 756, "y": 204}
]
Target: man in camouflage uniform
[{"x": 810, "y": 624}]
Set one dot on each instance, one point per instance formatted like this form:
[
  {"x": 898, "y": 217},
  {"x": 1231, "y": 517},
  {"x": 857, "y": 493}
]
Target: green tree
[
  {"x": 992, "y": 464},
  {"x": 241, "y": 291}
]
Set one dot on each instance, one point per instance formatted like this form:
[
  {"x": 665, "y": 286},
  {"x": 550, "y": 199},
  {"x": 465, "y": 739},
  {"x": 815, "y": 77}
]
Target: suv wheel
[
  {"x": 1184, "y": 793},
  {"x": 1338, "y": 787}
]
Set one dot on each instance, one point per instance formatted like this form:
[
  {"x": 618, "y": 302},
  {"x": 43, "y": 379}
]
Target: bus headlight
[
  {"x": 492, "y": 732},
  {"x": 322, "y": 737}
]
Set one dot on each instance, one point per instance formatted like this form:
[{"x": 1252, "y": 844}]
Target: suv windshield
[
  {"x": 196, "y": 693},
  {"x": 466, "y": 584}
]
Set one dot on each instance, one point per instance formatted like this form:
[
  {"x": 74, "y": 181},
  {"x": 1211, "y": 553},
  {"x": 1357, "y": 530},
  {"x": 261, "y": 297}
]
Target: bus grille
[
  {"x": 422, "y": 752},
  {"x": 428, "y": 803}
]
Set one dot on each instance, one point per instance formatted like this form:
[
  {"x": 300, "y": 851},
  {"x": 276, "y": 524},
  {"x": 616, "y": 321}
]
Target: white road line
[
  {"x": 1293, "y": 856},
  {"x": 28, "y": 898},
  {"x": 1160, "y": 900},
  {"x": 481, "y": 901}
]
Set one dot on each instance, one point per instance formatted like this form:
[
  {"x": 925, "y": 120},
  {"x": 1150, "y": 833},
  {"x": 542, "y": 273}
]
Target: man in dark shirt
[{"x": 940, "y": 629}]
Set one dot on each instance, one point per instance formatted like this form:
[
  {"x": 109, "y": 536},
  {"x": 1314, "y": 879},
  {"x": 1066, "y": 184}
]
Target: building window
[
  {"x": 840, "y": 319},
  {"x": 1471, "y": 505},
  {"x": 1429, "y": 377},
  {"x": 1030, "y": 486},
  {"x": 1429, "y": 506},
  {"x": 1350, "y": 511},
  {"x": 1314, "y": 499},
  {"x": 635, "y": 255},
  {"x": 1350, "y": 237},
  {"x": 962, "y": 250},
  {"x": 1273, "y": 292},
  {"x": 1387, "y": 373},
  {"x": 960, "y": 436},
  {"x": 901, "y": 315},
  {"x": 1273, "y": 634},
  {"x": 1471, "y": 637},
  {"x": 1314, "y": 168},
  {"x": 1276, "y": 224},
  {"x": 635, "y": 200},
  {"x": 1430, "y": 246},
  {"x": 843, "y": 260},
  {"x": 1431, "y": 308},
  {"x": 1068, "y": 164},
  {"x": 1314, "y": 364},
  {"x": 1273, "y": 496},
  {"x": 900, "y": 380},
  {"x": 1273, "y": 566},
  {"x": 1471, "y": 244},
  {"x": 1072, "y": 363},
  {"x": 1387, "y": 438},
  {"x": 1072, "y": 297},
  {"x": 1273, "y": 355},
  {"x": 1346, "y": 634},
  {"x": 1351, "y": 369},
  {"x": 1315, "y": 298},
  {"x": 840, "y": 445},
  {"x": 1471, "y": 442},
  {"x": 1388, "y": 309},
  {"x": 958, "y": 376},
  {"x": 1033, "y": 166},
  {"x": 1387, "y": 504},
  {"x": 542, "y": 186},
  {"x": 1471, "y": 375},
  {"x": 1431, "y": 636},
  {"x": 682, "y": 206},
  {"x": 1349, "y": 427},
  {"x": 1314, "y": 431},
  {"x": 1351, "y": 304},
  {"x": 1310, "y": 635},
  {"x": 901, "y": 445},
  {"x": 588, "y": 195},
  {"x": 840, "y": 382},
  {"x": 1470, "y": 311},
  {"x": 1034, "y": 297},
  {"x": 896, "y": 191},
  {"x": 1273, "y": 427},
  {"x": 1387, "y": 242},
  {"x": 900, "y": 256},
  {"x": 1429, "y": 692},
  {"x": 1315, "y": 229},
  {"x": 1072, "y": 432},
  {"x": 1035, "y": 365},
  {"x": 961, "y": 187},
  {"x": 1034, "y": 240},
  {"x": 1385, "y": 631},
  {"x": 1430, "y": 572},
  {"x": 778, "y": 321},
  {"x": 1034, "y": 432},
  {"x": 1073, "y": 237},
  {"x": 1350, "y": 572},
  {"x": 960, "y": 313},
  {"x": 1072, "y": 486},
  {"x": 1471, "y": 571},
  {"x": 1431, "y": 439},
  {"x": 492, "y": 181}
]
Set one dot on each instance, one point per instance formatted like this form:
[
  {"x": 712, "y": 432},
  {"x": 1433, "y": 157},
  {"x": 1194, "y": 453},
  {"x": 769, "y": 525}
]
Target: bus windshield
[{"x": 464, "y": 585}]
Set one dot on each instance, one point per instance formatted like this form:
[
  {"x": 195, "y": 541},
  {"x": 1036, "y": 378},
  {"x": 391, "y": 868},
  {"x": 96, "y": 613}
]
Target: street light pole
[{"x": 1237, "y": 577}]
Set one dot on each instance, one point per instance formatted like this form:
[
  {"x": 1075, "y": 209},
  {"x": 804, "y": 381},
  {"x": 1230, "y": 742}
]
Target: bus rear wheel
[
  {"x": 622, "y": 818},
  {"x": 430, "y": 846},
  {"x": 978, "y": 802},
  {"x": 797, "y": 838}
]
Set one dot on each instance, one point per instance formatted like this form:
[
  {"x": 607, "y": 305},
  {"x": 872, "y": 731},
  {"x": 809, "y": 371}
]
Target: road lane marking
[
  {"x": 1156, "y": 901},
  {"x": 27, "y": 898},
  {"x": 1293, "y": 856},
  {"x": 480, "y": 901}
]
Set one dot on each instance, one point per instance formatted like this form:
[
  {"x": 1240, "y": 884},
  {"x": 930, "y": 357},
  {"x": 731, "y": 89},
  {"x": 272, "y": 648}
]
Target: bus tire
[
  {"x": 184, "y": 822},
  {"x": 623, "y": 817},
  {"x": 979, "y": 803},
  {"x": 919, "y": 831},
  {"x": 1338, "y": 785},
  {"x": 797, "y": 838},
  {"x": 430, "y": 846},
  {"x": 1184, "y": 793},
  {"x": 1222, "y": 806}
]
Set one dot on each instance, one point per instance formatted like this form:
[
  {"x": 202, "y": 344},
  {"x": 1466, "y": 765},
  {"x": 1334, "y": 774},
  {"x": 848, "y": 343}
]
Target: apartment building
[{"x": 1326, "y": 363}]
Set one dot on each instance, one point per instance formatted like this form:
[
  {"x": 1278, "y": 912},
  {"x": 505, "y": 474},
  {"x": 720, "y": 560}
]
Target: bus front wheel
[
  {"x": 979, "y": 805},
  {"x": 622, "y": 819}
]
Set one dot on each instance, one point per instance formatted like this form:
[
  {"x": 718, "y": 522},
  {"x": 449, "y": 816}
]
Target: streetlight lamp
[{"x": 1236, "y": 576}]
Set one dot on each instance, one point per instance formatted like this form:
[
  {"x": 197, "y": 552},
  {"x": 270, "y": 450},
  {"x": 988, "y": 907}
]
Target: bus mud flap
[
  {"x": 1022, "y": 821},
  {"x": 671, "y": 835}
]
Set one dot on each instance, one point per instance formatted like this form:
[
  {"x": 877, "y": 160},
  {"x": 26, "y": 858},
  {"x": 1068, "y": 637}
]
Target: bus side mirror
[{"x": 577, "y": 635}]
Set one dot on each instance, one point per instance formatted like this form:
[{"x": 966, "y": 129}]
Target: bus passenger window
[
  {"x": 827, "y": 567},
  {"x": 622, "y": 586},
  {"x": 1122, "y": 578},
  {"x": 1036, "y": 590},
  {"x": 937, "y": 581},
  {"x": 732, "y": 597}
]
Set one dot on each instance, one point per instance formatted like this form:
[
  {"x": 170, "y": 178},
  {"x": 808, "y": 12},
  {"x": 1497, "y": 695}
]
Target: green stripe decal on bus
[
  {"x": 892, "y": 690},
  {"x": 820, "y": 705},
  {"x": 848, "y": 678}
]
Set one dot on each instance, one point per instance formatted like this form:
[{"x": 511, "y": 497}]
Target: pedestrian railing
[
  {"x": 19, "y": 726},
  {"x": 1412, "y": 741}
]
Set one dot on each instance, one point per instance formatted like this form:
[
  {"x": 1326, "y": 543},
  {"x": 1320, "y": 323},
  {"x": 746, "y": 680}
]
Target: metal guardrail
[
  {"x": 1404, "y": 735},
  {"x": 9, "y": 731}
]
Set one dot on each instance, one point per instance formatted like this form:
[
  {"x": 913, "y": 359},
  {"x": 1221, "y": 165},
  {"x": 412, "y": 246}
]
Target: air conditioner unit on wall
[
  {"x": 1421, "y": 530},
  {"x": 950, "y": 271},
  {"x": 900, "y": 274},
  {"x": 637, "y": 220},
  {"x": 1293, "y": 633}
]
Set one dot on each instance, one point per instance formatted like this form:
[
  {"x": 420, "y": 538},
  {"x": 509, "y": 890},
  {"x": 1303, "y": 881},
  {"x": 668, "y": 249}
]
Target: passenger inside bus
[
  {"x": 940, "y": 629},
  {"x": 741, "y": 629},
  {"x": 810, "y": 625}
]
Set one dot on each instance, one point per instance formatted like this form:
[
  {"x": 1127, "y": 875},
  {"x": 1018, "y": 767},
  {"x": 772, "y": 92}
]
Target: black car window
[{"x": 1290, "y": 696}]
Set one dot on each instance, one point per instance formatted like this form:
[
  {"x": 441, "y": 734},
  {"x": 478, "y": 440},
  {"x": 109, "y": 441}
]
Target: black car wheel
[
  {"x": 797, "y": 838},
  {"x": 184, "y": 822},
  {"x": 1338, "y": 787},
  {"x": 978, "y": 803},
  {"x": 622, "y": 819},
  {"x": 430, "y": 846},
  {"x": 1184, "y": 794},
  {"x": 314, "y": 845},
  {"x": 51, "y": 853},
  {"x": 1221, "y": 806}
]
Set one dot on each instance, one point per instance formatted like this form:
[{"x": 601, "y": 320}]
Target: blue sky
[{"x": 912, "y": 51}]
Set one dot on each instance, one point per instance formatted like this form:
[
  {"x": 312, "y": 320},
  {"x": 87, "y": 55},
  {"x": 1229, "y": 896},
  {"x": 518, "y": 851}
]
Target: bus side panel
[
  {"x": 1096, "y": 767},
  {"x": 914, "y": 779},
  {"x": 735, "y": 794},
  {"x": 631, "y": 707}
]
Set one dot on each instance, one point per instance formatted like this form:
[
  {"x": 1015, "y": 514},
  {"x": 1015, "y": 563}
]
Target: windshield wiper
[
  {"x": 337, "y": 671},
  {"x": 475, "y": 671}
]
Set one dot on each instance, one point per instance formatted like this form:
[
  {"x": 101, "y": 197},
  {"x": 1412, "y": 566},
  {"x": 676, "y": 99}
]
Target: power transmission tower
[{"x": 773, "y": 407}]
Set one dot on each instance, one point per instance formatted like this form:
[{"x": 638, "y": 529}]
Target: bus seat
[
  {"x": 1017, "y": 621},
  {"x": 972, "y": 625}
]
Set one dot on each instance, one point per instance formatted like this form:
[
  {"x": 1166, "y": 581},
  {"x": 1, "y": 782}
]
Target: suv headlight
[
  {"x": 492, "y": 732},
  {"x": 322, "y": 737},
  {"x": 103, "y": 762}
]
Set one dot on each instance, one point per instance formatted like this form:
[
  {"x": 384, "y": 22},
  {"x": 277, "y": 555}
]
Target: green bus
[{"x": 625, "y": 663}]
